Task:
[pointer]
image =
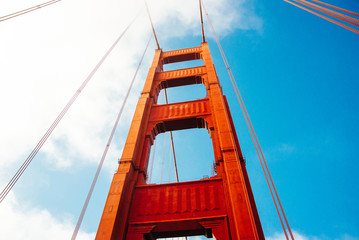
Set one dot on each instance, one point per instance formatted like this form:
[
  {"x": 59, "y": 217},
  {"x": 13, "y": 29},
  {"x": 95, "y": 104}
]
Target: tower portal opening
[
  {"x": 183, "y": 94},
  {"x": 194, "y": 156},
  {"x": 182, "y": 65}
]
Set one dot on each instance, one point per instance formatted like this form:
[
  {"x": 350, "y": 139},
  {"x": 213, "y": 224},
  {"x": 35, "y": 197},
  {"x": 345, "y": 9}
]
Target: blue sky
[{"x": 298, "y": 75}]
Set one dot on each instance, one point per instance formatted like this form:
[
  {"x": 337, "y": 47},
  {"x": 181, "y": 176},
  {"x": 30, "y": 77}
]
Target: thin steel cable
[
  {"x": 94, "y": 181},
  {"x": 172, "y": 144},
  {"x": 330, "y": 12},
  {"x": 18, "y": 13},
  {"x": 250, "y": 127},
  {"x": 154, "y": 151},
  {"x": 37, "y": 6},
  {"x": 257, "y": 146},
  {"x": 265, "y": 162},
  {"x": 163, "y": 156},
  {"x": 236, "y": 152},
  {"x": 233, "y": 142},
  {"x": 169, "y": 167},
  {"x": 34, "y": 152},
  {"x": 173, "y": 148},
  {"x": 228, "y": 70},
  {"x": 153, "y": 158},
  {"x": 326, "y": 18},
  {"x": 262, "y": 160},
  {"x": 174, "y": 156}
]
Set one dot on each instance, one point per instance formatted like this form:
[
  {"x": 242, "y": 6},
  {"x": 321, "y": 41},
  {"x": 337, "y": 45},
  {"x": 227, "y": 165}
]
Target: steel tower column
[{"x": 222, "y": 205}]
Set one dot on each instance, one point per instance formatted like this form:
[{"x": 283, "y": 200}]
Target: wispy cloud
[
  {"x": 347, "y": 237},
  {"x": 44, "y": 62},
  {"x": 21, "y": 221},
  {"x": 286, "y": 148}
]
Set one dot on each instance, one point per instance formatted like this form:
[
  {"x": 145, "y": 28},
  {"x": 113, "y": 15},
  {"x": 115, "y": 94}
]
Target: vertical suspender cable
[
  {"x": 163, "y": 157},
  {"x": 173, "y": 150},
  {"x": 254, "y": 137},
  {"x": 154, "y": 152},
  {"x": 169, "y": 167},
  {"x": 173, "y": 146},
  {"x": 79, "y": 221},
  {"x": 37, "y": 148},
  {"x": 174, "y": 155},
  {"x": 153, "y": 159}
]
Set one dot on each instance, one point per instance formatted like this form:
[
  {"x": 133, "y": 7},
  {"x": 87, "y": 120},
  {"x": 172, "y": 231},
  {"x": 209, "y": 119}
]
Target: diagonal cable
[
  {"x": 37, "y": 148},
  {"x": 83, "y": 211},
  {"x": 324, "y": 17},
  {"x": 328, "y": 11},
  {"x": 253, "y": 135},
  {"x": 341, "y": 9},
  {"x": 27, "y": 10},
  {"x": 153, "y": 29}
]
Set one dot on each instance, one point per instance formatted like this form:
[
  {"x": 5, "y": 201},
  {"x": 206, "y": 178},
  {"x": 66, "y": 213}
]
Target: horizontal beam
[
  {"x": 172, "y": 202},
  {"x": 181, "y": 73},
  {"x": 181, "y": 55},
  {"x": 176, "y": 111}
]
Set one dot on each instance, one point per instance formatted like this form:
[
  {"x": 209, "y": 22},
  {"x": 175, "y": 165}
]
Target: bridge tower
[{"x": 222, "y": 205}]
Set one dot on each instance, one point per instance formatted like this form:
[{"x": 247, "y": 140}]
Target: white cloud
[
  {"x": 286, "y": 148},
  {"x": 19, "y": 221},
  {"x": 46, "y": 54}
]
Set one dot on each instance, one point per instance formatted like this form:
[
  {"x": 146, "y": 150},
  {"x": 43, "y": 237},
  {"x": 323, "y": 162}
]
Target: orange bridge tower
[{"x": 222, "y": 205}]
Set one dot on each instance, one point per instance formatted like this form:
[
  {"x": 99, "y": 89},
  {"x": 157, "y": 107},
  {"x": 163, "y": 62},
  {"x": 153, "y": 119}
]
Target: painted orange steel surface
[{"x": 222, "y": 206}]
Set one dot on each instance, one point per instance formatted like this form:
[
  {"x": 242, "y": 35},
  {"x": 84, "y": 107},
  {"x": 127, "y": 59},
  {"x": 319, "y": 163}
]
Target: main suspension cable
[
  {"x": 253, "y": 135},
  {"x": 200, "y": 12},
  {"x": 83, "y": 211},
  {"x": 27, "y": 10},
  {"x": 322, "y": 16},
  {"x": 338, "y": 8},
  {"x": 322, "y": 9},
  {"x": 153, "y": 29},
  {"x": 37, "y": 148}
]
